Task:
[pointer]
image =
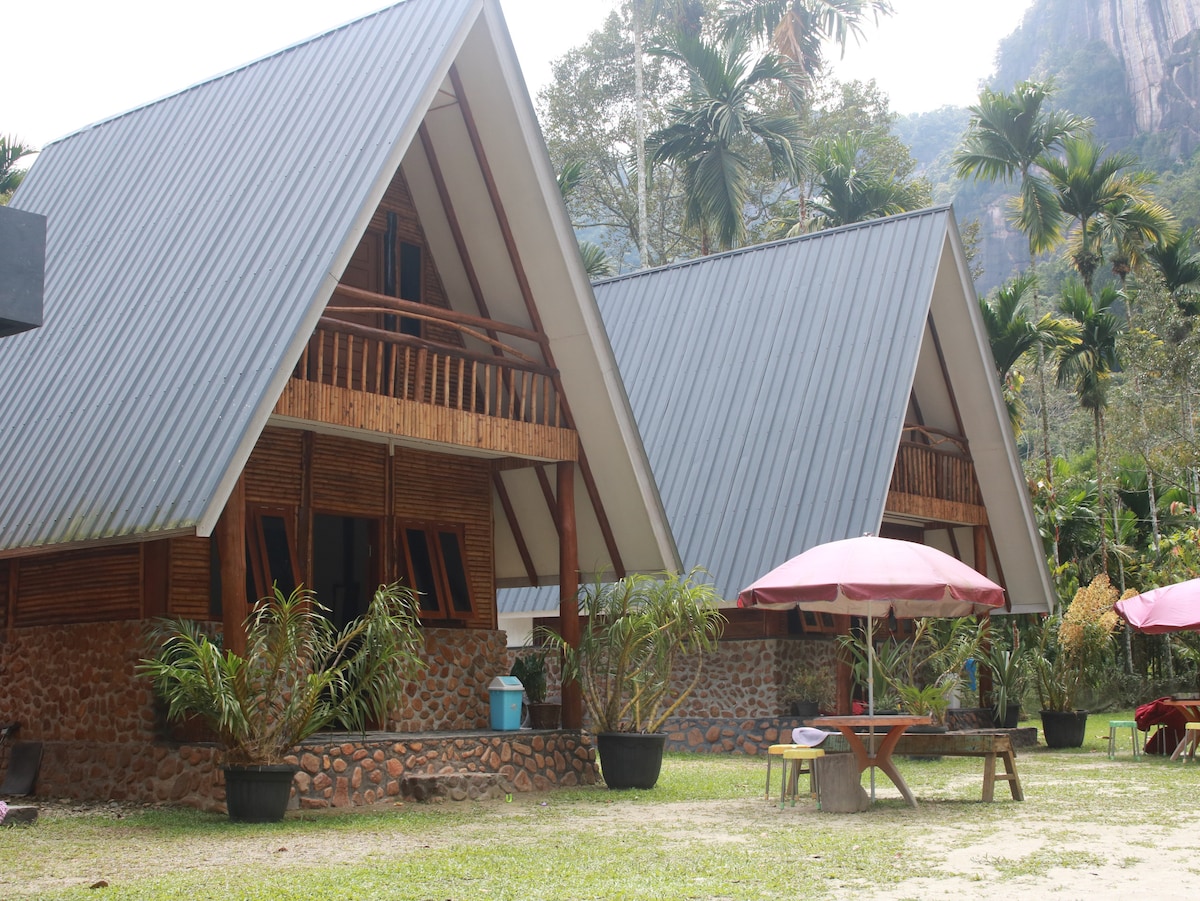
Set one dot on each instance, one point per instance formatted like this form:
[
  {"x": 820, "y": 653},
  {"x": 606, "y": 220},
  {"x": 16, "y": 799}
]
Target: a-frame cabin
[
  {"x": 809, "y": 390},
  {"x": 321, "y": 319}
]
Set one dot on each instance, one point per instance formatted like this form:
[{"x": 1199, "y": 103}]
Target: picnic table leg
[
  {"x": 1014, "y": 781},
  {"x": 989, "y": 776}
]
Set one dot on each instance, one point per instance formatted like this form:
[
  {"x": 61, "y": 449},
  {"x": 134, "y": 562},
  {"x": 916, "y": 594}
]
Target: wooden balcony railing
[
  {"x": 935, "y": 472},
  {"x": 375, "y": 361}
]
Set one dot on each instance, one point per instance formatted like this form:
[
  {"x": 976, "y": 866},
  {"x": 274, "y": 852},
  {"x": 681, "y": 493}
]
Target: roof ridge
[{"x": 765, "y": 245}]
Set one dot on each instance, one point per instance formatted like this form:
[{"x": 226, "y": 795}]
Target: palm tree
[
  {"x": 798, "y": 29},
  {"x": 1006, "y": 136},
  {"x": 596, "y": 262},
  {"x": 1089, "y": 185},
  {"x": 1175, "y": 259},
  {"x": 1131, "y": 228},
  {"x": 1087, "y": 365},
  {"x": 11, "y": 150},
  {"x": 1012, "y": 334},
  {"x": 713, "y": 126},
  {"x": 850, "y": 187}
]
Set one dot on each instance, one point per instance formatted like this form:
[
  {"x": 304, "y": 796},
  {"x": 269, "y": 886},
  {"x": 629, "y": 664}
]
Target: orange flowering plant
[{"x": 1072, "y": 646}]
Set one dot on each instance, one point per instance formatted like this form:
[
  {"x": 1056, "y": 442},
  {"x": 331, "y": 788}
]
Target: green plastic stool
[{"x": 1131, "y": 725}]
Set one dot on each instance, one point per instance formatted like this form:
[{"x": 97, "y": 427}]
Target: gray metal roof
[
  {"x": 191, "y": 246},
  {"x": 770, "y": 385}
]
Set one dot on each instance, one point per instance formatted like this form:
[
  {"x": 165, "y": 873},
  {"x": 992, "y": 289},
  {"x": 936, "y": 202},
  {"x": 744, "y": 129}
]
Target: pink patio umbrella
[
  {"x": 1172, "y": 608},
  {"x": 871, "y": 577}
]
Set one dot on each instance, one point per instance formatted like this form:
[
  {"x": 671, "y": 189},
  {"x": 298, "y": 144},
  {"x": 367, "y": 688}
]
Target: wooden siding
[
  {"x": 5, "y": 604},
  {"x": 436, "y": 488},
  {"x": 190, "y": 578},
  {"x": 349, "y": 477},
  {"x": 273, "y": 470},
  {"x": 79, "y": 586},
  {"x": 311, "y": 402}
]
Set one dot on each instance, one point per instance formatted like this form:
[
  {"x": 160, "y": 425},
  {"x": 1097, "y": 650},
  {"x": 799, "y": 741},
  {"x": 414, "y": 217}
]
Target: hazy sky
[{"x": 69, "y": 63}]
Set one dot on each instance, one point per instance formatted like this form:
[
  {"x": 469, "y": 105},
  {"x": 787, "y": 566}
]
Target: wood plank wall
[
  {"x": 350, "y": 478},
  {"x": 78, "y": 586}
]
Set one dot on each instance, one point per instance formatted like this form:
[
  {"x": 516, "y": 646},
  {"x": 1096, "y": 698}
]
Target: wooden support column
[
  {"x": 230, "y": 540},
  {"x": 568, "y": 588},
  {"x": 845, "y": 678}
]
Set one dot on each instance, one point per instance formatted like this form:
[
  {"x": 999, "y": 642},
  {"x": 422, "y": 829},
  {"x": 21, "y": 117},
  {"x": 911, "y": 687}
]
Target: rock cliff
[{"x": 1152, "y": 46}]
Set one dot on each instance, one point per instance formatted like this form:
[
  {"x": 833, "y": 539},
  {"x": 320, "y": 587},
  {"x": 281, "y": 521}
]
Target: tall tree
[
  {"x": 1086, "y": 366},
  {"x": 11, "y": 150},
  {"x": 715, "y": 124},
  {"x": 1088, "y": 185},
  {"x": 1007, "y": 135},
  {"x": 849, "y": 186},
  {"x": 1012, "y": 333},
  {"x": 799, "y": 29}
]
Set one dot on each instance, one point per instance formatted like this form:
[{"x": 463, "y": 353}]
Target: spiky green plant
[
  {"x": 637, "y": 630},
  {"x": 300, "y": 673}
]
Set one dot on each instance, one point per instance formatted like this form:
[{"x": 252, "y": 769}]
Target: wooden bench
[{"x": 988, "y": 745}]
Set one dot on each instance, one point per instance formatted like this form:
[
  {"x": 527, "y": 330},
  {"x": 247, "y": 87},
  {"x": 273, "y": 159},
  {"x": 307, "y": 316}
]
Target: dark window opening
[
  {"x": 270, "y": 553},
  {"x": 344, "y": 565},
  {"x": 410, "y": 284},
  {"x": 433, "y": 562}
]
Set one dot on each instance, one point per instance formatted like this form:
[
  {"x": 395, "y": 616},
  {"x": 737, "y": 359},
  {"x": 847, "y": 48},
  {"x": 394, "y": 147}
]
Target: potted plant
[
  {"x": 637, "y": 631},
  {"x": 1071, "y": 649},
  {"x": 1009, "y": 668},
  {"x": 530, "y": 668},
  {"x": 808, "y": 691},
  {"x": 931, "y": 700},
  {"x": 299, "y": 675}
]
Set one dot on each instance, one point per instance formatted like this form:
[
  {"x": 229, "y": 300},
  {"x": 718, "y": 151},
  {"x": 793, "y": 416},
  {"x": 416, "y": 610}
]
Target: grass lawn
[{"x": 1088, "y": 826}]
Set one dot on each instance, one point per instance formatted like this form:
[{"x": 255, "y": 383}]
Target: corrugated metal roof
[
  {"x": 770, "y": 385},
  {"x": 191, "y": 246}
]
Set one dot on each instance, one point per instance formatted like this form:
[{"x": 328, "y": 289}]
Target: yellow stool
[
  {"x": 1131, "y": 725},
  {"x": 795, "y": 758},
  {"x": 1191, "y": 739},
  {"x": 772, "y": 752}
]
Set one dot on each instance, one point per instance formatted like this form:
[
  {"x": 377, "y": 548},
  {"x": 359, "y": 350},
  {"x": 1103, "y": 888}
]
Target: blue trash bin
[{"x": 505, "y": 693}]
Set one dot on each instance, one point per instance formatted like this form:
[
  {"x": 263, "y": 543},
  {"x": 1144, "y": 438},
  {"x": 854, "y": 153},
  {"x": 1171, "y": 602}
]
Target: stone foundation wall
[
  {"x": 75, "y": 688},
  {"x": 746, "y": 678},
  {"x": 742, "y": 678}
]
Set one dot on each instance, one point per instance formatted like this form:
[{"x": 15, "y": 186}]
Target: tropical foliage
[{"x": 298, "y": 675}]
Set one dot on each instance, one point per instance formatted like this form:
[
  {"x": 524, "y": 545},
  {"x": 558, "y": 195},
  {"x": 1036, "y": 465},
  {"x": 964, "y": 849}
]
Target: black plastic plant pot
[
  {"x": 258, "y": 794},
  {"x": 1064, "y": 728},
  {"x": 630, "y": 759}
]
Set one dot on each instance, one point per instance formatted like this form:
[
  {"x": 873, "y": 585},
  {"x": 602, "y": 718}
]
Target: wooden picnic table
[{"x": 876, "y": 755}]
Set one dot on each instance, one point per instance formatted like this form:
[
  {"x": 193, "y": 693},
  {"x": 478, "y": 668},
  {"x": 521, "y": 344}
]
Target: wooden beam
[
  {"x": 941, "y": 358},
  {"x": 305, "y": 513},
  {"x": 999, "y": 579},
  {"x": 439, "y": 314},
  {"x": 460, "y": 241},
  {"x": 510, "y": 514},
  {"x": 531, "y": 309},
  {"x": 568, "y": 589},
  {"x": 551, "y": 499},
  {"x": 230, "y": 538}
]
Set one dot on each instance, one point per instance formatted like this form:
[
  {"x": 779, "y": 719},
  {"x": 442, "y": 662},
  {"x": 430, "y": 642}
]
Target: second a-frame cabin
[
  {"x": 809, "y": 390},
  {"x": 319, "y": 320}
]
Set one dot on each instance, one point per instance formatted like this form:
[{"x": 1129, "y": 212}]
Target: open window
[
  {"x": 270, "y": 551},
  {"x": 433, "y": 562}
]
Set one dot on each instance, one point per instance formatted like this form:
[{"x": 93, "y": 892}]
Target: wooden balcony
[
  {"x": 936, "y": 481},
  {"x": 363, "y": 377}
]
